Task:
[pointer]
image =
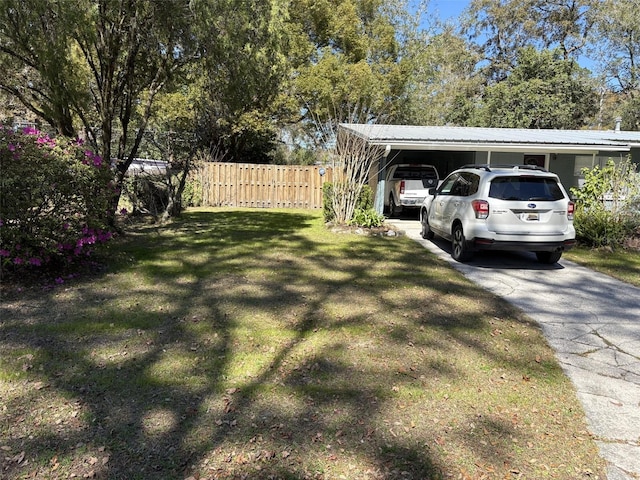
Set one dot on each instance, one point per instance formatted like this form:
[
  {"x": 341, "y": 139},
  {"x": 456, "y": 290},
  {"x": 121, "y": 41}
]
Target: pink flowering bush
[{"x": 55, "y": 197}]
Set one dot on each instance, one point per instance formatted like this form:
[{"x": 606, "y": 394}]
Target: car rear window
[
  {"x": 414, "y": 173},
  {"x": 525, "y": 188}
]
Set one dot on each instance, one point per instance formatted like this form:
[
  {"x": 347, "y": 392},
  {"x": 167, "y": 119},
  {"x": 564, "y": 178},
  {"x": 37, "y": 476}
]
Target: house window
[
  {"x": 537, "y": 160},
  {"x": 582, "y": 161}
]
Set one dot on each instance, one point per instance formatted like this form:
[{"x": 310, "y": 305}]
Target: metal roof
[{"x": 407, "y": 137}]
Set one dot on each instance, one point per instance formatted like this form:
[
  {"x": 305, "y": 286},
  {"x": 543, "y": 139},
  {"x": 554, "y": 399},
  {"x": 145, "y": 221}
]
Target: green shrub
[
  {"x": 607, "y": 210},
  {"x": 599, "y": 228},
  {"x": 56, "y": 199},
  {"x": 365, "y": 200},
  {"x": 147, "y": 193},
  {"x": 192, "y": 194},
  {"x": 368, "y": 218},
  {"x": 328, "y": 212},
  {"x": 364, "y": 203}
]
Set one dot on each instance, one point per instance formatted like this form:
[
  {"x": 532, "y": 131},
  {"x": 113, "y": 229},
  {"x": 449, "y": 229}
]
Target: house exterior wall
[
  {"x": 564, "y": 166},
  {"x": 507, "y": 158},
  {"x": 481, "y": 158}
]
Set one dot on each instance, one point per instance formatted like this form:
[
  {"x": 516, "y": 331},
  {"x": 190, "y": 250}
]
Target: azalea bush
[{"x": 55, "y": 199}]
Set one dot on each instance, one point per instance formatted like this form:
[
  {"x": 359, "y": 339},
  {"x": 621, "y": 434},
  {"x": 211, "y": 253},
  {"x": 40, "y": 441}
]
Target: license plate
[{"x": 533, "y": 217}]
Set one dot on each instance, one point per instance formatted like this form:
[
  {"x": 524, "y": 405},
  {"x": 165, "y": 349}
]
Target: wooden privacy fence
[{"x": 264, "y": 186}]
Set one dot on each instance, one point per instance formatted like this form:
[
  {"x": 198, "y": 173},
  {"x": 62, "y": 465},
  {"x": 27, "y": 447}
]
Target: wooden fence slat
[{"x": 261, "y": 186}]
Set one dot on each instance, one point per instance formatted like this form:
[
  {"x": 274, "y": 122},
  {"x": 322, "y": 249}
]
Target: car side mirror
[{"x": 432, "y": 191}]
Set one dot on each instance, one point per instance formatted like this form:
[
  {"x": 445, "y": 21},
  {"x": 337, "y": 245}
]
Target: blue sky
[{"x": 448, "y": 9}]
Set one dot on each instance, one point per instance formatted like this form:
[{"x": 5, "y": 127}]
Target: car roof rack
[
  {"x": 511, "y": 166},
  {"x": 478, "y": 166}
]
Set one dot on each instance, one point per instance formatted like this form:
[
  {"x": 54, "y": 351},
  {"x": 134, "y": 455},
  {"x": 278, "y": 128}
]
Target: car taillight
[
  {"x": 481, "y": 208},
  {"x": 401, "y": 186},
  {"x": 570, "y": 209}
]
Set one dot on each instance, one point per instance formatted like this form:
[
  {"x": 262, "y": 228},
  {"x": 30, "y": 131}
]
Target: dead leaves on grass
[
  {"x": 17, "y": 459},
  {"x": 89, "y": 467}
]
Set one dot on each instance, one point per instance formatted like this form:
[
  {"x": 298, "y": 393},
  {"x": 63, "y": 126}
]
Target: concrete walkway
[{"x": 591, "y": 321}]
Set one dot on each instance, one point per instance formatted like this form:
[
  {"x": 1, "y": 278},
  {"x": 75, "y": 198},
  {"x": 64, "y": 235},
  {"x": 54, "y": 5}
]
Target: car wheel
[
  {"x": 459, "y": 247},
  {"x": 393, "y": 209},
  {"x": 548, "y": 257},
  {"x": 426, "y": 231}
]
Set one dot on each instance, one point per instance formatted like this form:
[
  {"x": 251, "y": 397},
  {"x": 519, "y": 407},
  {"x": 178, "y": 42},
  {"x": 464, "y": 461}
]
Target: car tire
[
  {"x": 425, "y": 231},
  {"x": 394, "y": 211},
  {"x": 548, "y": 257},
  {"x": 460, "y": 250}
]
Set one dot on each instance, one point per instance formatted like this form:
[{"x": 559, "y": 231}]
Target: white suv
[{"x": 485, "y": 207}]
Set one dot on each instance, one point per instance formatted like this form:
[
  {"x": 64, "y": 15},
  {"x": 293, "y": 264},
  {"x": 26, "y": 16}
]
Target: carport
[{"x": 564, "y": 152}]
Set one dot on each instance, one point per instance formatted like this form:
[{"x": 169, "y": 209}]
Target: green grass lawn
[
  {"x": 623, "y": 264},
  {"x": 257, "y": 344}
]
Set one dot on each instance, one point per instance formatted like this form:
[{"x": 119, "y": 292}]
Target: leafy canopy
[{"x": 543, "y": 91}]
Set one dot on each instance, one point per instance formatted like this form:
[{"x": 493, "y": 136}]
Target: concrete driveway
[{"x": 591, "y": 321}]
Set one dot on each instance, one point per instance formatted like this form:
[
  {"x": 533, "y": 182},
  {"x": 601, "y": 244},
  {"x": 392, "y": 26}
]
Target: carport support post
[{"x": 382, "y": 178}]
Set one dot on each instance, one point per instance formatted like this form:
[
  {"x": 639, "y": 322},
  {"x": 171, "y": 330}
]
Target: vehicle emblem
[{"x": 532, "y": 205}]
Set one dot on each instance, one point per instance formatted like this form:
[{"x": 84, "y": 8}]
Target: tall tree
[
  {"x": 564, "y": 24},
  {"x": 171, "y": 136},
  {"x": 542, "y": 91},
  {"x": 91, "y": 61},
  {"x": 37, "y": 62},
  {"x": 444, "y": 76},
  {"x": 618, "y": 54},
  {"x": 501, "y": 28},
  {"x": 243, "y": 72},
  {"x": 504, "y": 26},
  {"x": 349, "y": 65},
  {"x": 130, "y": 48}
]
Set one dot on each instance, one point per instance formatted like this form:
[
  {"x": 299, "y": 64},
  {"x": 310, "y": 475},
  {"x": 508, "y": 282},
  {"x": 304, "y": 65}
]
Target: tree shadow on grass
[{"x": 232, "y": 344}]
